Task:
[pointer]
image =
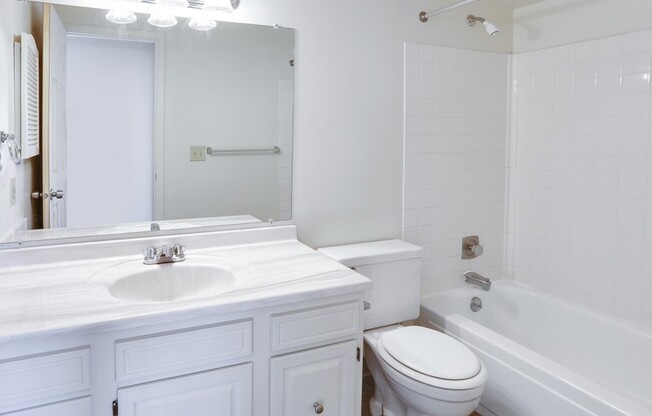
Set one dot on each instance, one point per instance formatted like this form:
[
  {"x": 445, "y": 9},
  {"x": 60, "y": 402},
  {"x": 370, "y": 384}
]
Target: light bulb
[
  {"x": 121, "y": 17},
  {"x": 162, "y": 20},
  {"x": 202, "y": 24}
]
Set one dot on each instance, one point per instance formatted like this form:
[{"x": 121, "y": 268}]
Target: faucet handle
[
  {"x": 151, "y": 253},
  {"x": 177, "y": 253}
]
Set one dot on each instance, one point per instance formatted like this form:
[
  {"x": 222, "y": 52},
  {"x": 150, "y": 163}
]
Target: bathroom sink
[
  {"x": 172, "y": 282},
  {"x": 191, "y": 279}
]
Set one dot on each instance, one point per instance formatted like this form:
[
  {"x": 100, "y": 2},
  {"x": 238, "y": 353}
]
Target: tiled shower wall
[
  {"x": 575, "y": 218},
  {"x": 580, "y": 188},
  {"x": 455, "y": 158}
]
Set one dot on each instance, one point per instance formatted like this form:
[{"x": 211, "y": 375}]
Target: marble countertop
[{"x": 40, "y": 296}]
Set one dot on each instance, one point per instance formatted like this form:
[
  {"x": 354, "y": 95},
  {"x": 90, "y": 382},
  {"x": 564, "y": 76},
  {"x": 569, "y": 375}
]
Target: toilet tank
[{"x": 394, "y": 268}]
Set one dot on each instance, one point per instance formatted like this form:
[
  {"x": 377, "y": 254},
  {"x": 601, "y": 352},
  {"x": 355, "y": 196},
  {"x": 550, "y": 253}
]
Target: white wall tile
[
  {"x": 593, "y": 167},
  {"x": 572, "y": 215},
  {"x": 457, "y": 163}
]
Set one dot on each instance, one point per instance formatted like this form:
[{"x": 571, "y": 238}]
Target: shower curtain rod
[{"x": 423, "y": 16}]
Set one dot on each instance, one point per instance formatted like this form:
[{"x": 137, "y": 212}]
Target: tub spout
[{"x": 478, "y": 279}]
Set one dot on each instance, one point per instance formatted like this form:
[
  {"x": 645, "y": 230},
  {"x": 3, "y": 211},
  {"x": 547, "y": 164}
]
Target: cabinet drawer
[
  {"x": 314, "y": 326},
  {"x": 77, "y": 407},
  {"x": 165, "y": 355},
  {"x": 45, "y": 378}
]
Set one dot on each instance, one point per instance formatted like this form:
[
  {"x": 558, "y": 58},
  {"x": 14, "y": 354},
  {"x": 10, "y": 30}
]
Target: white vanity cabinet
[
  {"x": 317, "y": 381},
  {"x": 320, "y": 379},
  {"x": 272, "y": 361}
]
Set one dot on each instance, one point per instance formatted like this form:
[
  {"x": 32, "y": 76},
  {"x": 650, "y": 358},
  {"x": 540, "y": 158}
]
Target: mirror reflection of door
[
  {"x": 110, "y": 147},
  {"x": 100, "y": 154},
  {"x": 54, "y": 119}
]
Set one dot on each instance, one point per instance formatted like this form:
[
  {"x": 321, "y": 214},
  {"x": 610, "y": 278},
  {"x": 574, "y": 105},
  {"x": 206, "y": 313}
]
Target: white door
[
  {"x": 317, "y": 381},
  {"x": 54, "y": 120},
  {"x": 110, "y": 147},
  {"x": 223, "y": 392}
]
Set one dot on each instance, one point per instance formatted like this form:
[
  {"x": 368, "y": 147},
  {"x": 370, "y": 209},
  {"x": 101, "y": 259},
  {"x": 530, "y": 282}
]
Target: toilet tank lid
[{"x": 360, "y": 254}]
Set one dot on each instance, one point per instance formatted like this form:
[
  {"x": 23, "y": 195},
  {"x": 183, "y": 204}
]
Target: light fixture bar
[
  {"x": 423, "y": 16},
  {"x": 149, "y": 7}
]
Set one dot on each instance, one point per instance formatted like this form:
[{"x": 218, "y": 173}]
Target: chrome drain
[{"x": 476, "y": 304}]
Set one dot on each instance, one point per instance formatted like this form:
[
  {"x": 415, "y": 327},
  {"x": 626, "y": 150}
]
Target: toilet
[{"x": 417, "y": 371}]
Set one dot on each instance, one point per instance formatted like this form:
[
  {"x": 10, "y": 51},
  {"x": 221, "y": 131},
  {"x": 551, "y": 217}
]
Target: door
[
  {"x": 54, "y": 119},
  {"x": 223, "y": 392},
  {"x": 110, "y": 153},
  {"x": 317, "y": 381}
]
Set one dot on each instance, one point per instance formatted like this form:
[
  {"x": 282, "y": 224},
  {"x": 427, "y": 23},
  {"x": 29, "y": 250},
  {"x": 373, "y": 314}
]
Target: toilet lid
[{"x": 431, "y": 353}]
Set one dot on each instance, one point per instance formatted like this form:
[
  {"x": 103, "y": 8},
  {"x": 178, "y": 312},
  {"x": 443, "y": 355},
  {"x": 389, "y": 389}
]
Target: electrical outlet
[
  {"x": 12, "y": 191},
  {"x": 197, "y": 153}
]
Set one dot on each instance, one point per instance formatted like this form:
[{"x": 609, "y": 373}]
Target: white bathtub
[{"x": 545, "y": 356}]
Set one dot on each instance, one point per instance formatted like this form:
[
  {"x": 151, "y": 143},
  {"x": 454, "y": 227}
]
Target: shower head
[{"x": 491, "y": 29}]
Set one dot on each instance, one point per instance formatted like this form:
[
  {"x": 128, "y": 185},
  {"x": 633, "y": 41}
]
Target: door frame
[{"x": 158, "y": 152}]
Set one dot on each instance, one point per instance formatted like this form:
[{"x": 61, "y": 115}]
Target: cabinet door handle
[{"x": 319, "y": 409}]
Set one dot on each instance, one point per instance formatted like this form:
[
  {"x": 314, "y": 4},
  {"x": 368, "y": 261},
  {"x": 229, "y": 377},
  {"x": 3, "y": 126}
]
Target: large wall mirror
[{"x": 174, "y": 126}]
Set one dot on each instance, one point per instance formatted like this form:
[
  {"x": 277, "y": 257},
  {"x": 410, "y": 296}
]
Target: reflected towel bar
[{"x": 215, "y": 152}]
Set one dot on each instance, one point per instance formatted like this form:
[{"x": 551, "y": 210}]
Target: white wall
[
  {"x": 455, "y": 158},
  {"x": 559, "y": 22},
  {"x": 348, "y": 109},
  {"x": 15, "y": 17}
]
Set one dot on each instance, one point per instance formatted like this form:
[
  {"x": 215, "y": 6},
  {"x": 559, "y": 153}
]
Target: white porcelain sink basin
[
  {"x": 163, "y": 283},
  {"x": 192, "y": 279}
]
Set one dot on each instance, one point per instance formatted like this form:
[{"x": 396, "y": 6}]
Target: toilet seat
[{"x": 430, "y": 357}]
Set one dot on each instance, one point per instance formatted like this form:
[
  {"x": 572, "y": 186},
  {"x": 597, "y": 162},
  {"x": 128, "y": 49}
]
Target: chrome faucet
[
  {"x": 164, "y": 254},
  {"x": 478, "y": 279}
]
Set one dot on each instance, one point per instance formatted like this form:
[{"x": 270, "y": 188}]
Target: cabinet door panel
[
  {"x": 324, "y": 375},
  {"x": 223, "y": 392},
  {"x": 47, "y": 378},
  {"x": 78, "y": 407}
]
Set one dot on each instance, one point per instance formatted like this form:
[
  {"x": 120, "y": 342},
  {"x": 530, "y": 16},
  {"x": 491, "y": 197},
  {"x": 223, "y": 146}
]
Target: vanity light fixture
[
  {"x": 121, "y": 17},
  {"x": 162, "y": 20},
  {"x": 173, "y": 3},
  {"x": 202, "y": 24},
  {"x": 165, "y": 20},
  {"x": 164, "y": 16},
  {"x": 221, "y": 5}
]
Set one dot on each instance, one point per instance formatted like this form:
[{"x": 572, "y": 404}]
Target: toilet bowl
[
  {"x": 417, "y": 371},
  {"x": 422, "y": 372}
]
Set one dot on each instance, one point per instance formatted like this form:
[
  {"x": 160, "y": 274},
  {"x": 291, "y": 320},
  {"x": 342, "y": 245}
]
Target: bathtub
[{"x": 546, "y": 356}]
